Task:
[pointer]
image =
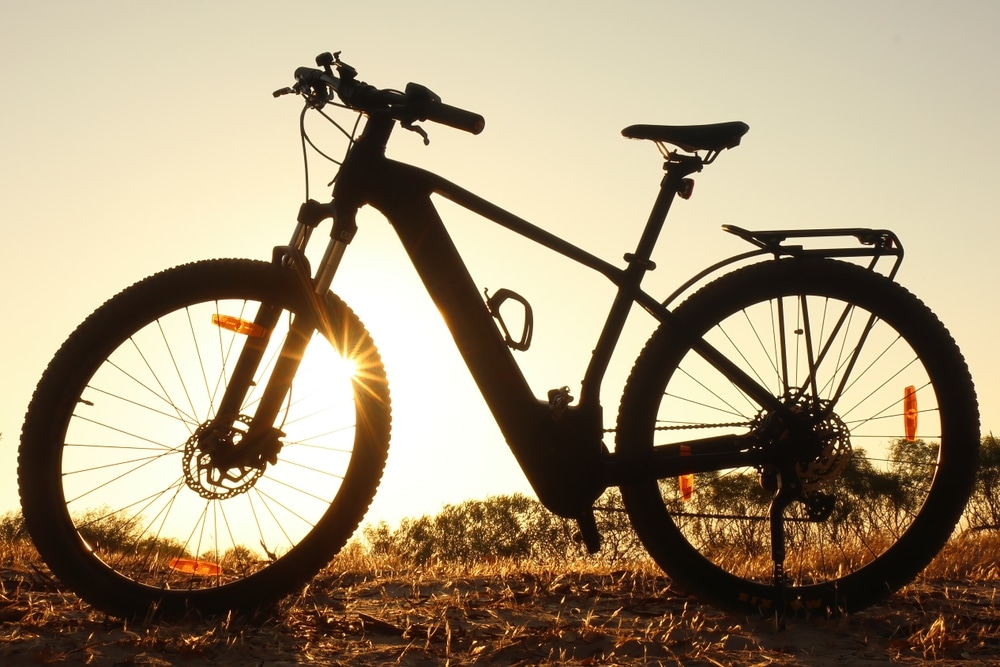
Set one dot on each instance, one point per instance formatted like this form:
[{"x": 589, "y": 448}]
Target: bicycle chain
[{"x": 682, "y": 427}]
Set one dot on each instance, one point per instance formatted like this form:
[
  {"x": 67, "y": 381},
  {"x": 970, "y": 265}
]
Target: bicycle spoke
[
  {"x": 140, "y": 423},
  {"x": 859, "y": 484}
]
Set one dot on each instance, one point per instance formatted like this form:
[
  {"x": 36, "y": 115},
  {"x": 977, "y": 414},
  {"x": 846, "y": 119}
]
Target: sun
[{"x": 345, "y": 368}]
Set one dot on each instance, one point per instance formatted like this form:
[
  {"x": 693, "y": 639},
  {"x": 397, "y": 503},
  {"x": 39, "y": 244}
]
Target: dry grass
[{"x": 365, "y": 611}]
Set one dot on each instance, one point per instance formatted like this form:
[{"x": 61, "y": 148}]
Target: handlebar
[{"x": 415, "y": 103}]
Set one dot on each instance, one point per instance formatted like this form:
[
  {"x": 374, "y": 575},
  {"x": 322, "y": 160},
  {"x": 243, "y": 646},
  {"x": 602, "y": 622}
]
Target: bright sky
[{"x": 139, "y": 136}]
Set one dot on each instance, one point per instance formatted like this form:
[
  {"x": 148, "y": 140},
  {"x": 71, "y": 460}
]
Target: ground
[{"x": 507, "y": 616}]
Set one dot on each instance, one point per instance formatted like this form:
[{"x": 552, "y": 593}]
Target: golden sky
[{"x": 136, "y": 137}]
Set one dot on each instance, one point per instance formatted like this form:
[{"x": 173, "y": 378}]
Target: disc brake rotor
[{"x": 205, "y": 478}]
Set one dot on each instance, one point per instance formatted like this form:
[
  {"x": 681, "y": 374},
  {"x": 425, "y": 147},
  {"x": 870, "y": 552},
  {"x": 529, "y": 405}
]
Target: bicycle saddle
[{"x": 691, "y": 138}]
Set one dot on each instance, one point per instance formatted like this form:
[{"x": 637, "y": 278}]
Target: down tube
[{"x": 520, "y": 415}]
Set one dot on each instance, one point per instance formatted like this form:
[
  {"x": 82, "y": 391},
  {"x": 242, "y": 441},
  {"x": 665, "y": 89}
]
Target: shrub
[
  {"x": 510, "y": 527},
  {"x": 12, "y": 527}
]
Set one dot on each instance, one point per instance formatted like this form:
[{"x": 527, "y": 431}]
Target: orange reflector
[
  {"x": 197, "y": 567},
  {"x": 239, "y": 325},
  {"x": 686, "y": 482},
  {"x": 910, "y": 413}
]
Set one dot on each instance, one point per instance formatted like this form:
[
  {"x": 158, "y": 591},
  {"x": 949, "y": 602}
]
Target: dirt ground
[{"x": 507, "y": 617}]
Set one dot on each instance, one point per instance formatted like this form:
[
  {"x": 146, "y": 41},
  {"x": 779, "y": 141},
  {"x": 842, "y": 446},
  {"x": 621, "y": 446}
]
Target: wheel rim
[
  {"x": 139, "y": 491},
  {"x": 865, "y": 480}
]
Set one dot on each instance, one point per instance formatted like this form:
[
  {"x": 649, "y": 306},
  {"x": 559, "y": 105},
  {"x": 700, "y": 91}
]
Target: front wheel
[
  {"x": 118, "y": 491},
  {"x": 873, "y": 446}
]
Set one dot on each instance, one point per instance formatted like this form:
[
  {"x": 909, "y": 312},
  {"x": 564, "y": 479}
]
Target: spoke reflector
[
  {"x": 239, "y": 325},
  {"x": 910, "y": 413},
  {"x": 196, "y": 567},
  {"x": 686, "y": 481}
]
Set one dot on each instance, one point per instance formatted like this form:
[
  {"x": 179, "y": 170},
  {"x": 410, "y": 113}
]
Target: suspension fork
[{"x": 262, "y": 439}]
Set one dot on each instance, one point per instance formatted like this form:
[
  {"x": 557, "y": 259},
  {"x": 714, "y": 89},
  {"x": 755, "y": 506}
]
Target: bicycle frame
[
  {"x": 560, "y": 451},
  {"x": 558, "y": 447}
]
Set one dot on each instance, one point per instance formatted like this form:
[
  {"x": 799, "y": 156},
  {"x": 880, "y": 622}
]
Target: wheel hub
[
  {"x": 203, "y": 475},
  {"x": 815, "y": 446},
  {"x": 830, "y": 457}
]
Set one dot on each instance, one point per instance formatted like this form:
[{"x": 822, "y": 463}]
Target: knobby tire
[
  {"x": 118, "y": 498},
  {"x": 879, "y": 506}
]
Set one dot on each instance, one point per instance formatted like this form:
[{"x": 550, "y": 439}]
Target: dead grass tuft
[
  {"x": 970, "y": 556},
  {"x": 363, "y": 610}
]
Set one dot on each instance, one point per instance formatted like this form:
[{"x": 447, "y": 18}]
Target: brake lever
[
  {"x": 408, "y": 125},
  {"x": 418, "y": 96}
]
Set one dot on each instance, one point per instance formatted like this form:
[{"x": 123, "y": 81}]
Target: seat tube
[{"x": 639, "y": 264}]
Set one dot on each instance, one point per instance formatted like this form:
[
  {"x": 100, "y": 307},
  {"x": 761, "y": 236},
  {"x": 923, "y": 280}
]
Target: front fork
[{"x": 262, "y": 441}]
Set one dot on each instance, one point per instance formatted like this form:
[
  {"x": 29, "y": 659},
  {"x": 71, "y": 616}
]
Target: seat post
[{"x": 677, "y": 168}]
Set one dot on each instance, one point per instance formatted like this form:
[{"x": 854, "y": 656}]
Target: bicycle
[{"x": 196, "y": 443}]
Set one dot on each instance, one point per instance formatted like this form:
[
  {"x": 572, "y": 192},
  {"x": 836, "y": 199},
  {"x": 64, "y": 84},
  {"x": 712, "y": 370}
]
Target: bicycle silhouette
[{"x": 213, "y": 435}]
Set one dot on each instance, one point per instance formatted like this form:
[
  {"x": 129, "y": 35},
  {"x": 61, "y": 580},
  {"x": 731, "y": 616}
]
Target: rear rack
[
  {"x": 874, "y": 243},
  {"x": 882, "y": 242}
]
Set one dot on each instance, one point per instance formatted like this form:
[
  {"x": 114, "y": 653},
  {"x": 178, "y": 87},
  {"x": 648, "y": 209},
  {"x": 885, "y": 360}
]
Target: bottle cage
[{"x": 493, "y": 304}]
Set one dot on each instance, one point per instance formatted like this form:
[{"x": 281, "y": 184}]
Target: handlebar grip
[
  {"x": 308, "y": 74},
  {"x": 460, "y": 119},
  {"x": 314, "y": 77}
]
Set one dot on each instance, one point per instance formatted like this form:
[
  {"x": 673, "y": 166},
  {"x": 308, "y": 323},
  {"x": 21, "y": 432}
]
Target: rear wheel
[
  {"x": 118, "y": 491},
  {"x": 877, "y": 458}
]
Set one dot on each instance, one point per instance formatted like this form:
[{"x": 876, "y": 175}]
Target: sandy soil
[{"x": 504, "y": 618}]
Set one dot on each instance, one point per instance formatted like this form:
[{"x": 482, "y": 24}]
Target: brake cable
[{"x": 307, "y": 142}]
